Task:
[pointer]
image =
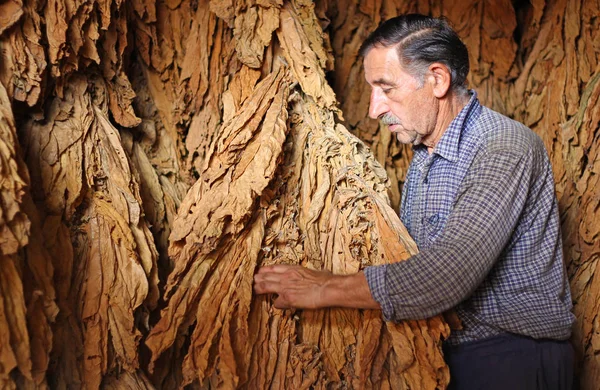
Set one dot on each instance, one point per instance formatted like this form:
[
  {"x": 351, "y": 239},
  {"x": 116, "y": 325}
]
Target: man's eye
[{"x": 387, "y": 91}]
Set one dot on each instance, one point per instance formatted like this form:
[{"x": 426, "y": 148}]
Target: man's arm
[
  {"x": 299, "y": 287},
  {"x": 478, "y": 229},
  {"x": 435, "y": 280}
]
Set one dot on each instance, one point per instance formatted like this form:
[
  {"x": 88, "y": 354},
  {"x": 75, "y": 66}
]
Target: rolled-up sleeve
[
  {"x": 479, "y": 226},
  {"x": 377, "y": 284}
]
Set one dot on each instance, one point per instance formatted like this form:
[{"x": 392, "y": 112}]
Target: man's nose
[{"x": 378, "y": 103}]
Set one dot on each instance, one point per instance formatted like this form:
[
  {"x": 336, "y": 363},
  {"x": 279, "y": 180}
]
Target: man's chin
[{"x": 408, "y": 139}]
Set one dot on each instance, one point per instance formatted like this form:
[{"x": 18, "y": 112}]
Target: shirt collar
[{"x": 448, "y": 146}]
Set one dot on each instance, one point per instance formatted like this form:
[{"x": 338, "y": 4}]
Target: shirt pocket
[{"x": 434, "y": 224}]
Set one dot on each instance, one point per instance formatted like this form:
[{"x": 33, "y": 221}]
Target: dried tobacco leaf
[
  {"x": 40, "y": 297},
  {"x": 241, "y": 165},
  {"x": 10, "y": 12},
  {"x": 14, "y": 223},
  {"x": 23, "y": 62},
  {"x": 253, "y": 28},
  {"x": 78, "y": 152},
  {"x": 317, "y": 211},
  {"x": 14, "y": 234},
  {"x": 15, "y": 348},
  {"x": 302, "y": 59},
  {"x": 581, "y": 228},
  {"x": 194, "y": 64}
]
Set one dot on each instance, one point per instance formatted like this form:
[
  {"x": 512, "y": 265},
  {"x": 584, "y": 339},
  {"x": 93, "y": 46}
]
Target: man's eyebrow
[{"x": 382, "y": 81}]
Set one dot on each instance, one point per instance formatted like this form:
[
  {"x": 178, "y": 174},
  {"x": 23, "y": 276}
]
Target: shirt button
[{"x": 434, "y": 219}]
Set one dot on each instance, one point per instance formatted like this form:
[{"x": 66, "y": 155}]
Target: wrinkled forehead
[{"x": 382, "y": 67}]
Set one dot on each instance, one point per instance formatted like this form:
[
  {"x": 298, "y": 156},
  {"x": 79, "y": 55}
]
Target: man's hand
[
  {"x": 296, "y": 287},
  {"x": 303, "y": 288}
]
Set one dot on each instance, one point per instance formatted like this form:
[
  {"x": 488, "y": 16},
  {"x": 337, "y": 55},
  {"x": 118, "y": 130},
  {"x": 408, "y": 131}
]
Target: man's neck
[{"x": 448, "y": 109}]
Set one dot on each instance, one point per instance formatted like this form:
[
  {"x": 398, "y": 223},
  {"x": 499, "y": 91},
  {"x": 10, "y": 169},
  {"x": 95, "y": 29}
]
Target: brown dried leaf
[
  {"x": 129, "y": 381},
  {"x": 7, "y": 355},
  {"x": 301, "y": 58},
  {"x": 10, "y": 12},
  {"x": 230, "y": 172},
  {"x": 17, "y": 351},
  {"x": 23, "y": 62},
  {"x": 196, "y": 83},
  {"x": 27, "y": 287},
  {"x": 581, "y": 229},
  {"x": 14, "y": 224},
  {"x": 242, "y": 164},
  {"x": 326, "y": 193},
  {"x": 114, "y": 262},
  {"x": 253, "y": 28}
]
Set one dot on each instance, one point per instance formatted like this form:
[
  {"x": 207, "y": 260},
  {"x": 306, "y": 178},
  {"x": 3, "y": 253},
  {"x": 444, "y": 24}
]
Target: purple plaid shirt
[{"x": 483, "y": 212}]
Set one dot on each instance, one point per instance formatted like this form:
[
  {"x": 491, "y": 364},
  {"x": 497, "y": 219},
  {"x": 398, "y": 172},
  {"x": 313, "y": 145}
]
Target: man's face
[{"x": 397, "y": 98}]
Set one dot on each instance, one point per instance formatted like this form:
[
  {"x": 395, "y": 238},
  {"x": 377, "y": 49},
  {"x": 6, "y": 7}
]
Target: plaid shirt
[{"x": 483, "y": 212}]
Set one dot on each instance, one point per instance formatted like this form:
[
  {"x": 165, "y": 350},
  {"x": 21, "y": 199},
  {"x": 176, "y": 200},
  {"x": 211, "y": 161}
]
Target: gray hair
[{"x": 420, "y": 41}]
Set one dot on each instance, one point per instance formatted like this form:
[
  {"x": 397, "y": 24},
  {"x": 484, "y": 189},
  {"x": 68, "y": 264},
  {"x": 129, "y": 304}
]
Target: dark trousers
[{"x": 511, "y": 362}]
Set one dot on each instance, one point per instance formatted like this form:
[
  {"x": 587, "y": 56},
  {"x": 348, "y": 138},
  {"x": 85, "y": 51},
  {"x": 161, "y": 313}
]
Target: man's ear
[{"x": 440, "y": 78}]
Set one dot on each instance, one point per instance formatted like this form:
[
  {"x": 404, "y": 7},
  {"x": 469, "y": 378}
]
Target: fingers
[
  {"x": 280, "y": 303},
  {"x": 277, "y": 268},
  {"x": 270, "y": 279},
  {"x": 295, "y": 286},
  {"x": 270, "y": 284},
  {"x": 266, "y": 285}
]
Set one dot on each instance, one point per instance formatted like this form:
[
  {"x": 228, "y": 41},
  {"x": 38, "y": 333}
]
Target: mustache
[{"x": 389, "y": 119}]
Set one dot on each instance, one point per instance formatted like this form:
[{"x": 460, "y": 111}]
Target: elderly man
[{"x": 479, "y": 201}]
